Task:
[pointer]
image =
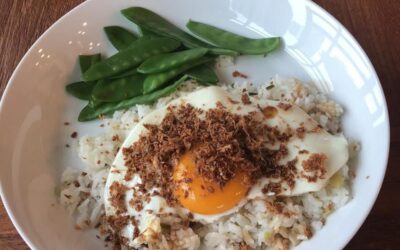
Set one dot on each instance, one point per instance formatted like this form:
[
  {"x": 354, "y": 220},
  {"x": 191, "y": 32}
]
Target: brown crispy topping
[
  {"x": 232, "y": 101},
  {"x": 244, "y": 246},
  {"x": 245, "y": 98},
  {"x": 117, "y": 197},
  {"x": 314, "y": 167},
  {"x": 220, "y": 105},
  {"x": 136, "y": 204},
  {"x": 308, "y": 232},
  {"x": 136, "y": 232},
  {"x": 74, "y": 135},
  {"x": 301, "y": 131},
  {"x": 277, "y": 206},
  {"x": 83, "y": 196},
  {"x": 224, "y": 143},
  {"x": 284, "y": 106},
  {"x": 278, "y": 239},
  {"x": 117, "y": 223},
  {"x": 115, "y": 138},
  {"x": 304, "y": 151},
  {"x": 135, "y": 224},
  {"x": 76, "y": 184},
  {"x": 274, "y": 188},
  {"x": 239, "y": 74},
  {"x": 317, "y": 129}
]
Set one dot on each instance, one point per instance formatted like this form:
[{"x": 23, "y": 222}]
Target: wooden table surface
[{"x": 374, "y": 23}]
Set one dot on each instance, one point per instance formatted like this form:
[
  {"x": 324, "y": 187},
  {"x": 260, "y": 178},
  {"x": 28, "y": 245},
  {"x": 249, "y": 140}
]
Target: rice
[{"x": 259, "y": 224}]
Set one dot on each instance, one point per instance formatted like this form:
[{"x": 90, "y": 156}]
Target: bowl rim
[
  {"x": 3, "y": 197},
  {"x": 387, "y": 146},
  {"x": 30, "y": 244}
]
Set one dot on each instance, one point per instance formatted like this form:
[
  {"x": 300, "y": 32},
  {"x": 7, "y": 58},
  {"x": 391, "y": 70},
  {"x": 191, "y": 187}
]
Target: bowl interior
[{"x": 35, "y": 105}]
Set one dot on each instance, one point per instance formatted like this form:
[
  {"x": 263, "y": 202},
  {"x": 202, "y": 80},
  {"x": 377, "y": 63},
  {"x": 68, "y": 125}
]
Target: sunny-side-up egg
[{"x": 207, "y": 207}]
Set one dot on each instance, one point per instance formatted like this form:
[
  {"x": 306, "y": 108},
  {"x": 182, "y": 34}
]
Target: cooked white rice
[{"x": 257, "y": 225}]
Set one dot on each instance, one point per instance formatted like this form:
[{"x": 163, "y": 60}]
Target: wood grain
[{"x": 374, "y": 23}]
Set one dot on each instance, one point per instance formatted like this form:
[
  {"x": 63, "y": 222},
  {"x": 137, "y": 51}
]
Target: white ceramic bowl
[{"x": 35, "y": 106}]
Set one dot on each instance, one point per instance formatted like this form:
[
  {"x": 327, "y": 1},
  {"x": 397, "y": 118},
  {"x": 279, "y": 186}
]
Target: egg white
[{"x": 334, "y": 147}]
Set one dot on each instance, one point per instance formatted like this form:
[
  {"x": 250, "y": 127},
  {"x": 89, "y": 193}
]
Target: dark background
[{"x": 374, "y": 23}]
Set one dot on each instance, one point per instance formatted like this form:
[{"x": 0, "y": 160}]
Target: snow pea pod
[
  {"x": 203, "y": 74},
  {"x": 152, "y": 24},
  {"x": 118, "y": 89},
  {"x": 127, "y": 73},
  {"x": 94, "y": 103},
  {"x": 145, "y": 32},
  {"x": 119, "y": 37},
  {"x": 130, "y": 57},
  {"x": 225, "y": 52},
  {"x": 88, "y": 113},
  {"x": 80, "y": 90},
  {"x": 164, "y": 62},
  {"x": 86, "y": 61},
  {"x": 226, "y": 39},
  {"x": 156, "y": 81},
  {"x": 159, "y": 25}
]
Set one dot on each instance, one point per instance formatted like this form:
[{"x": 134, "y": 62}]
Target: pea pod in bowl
[
  {"x": 90, "y": 113},
  {"x": 157, "y": 81},
  {"x": 164, "y": 62},
  {"x": 83, "y": 90},
  {"x": 229, "y": 40},
  {"x": 118, "y": 89},
  {"x": 119, "y": 37},
  {"x": 130, "y": 57}
]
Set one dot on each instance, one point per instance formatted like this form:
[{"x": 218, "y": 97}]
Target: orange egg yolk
[{"x": 202, "y": 196}]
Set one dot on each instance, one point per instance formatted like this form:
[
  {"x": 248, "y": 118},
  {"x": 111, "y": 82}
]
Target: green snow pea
[
  {"x": 145, "y": 32},
  {"x": 151, "y": 23},
  {"x": 156, "y": 81},
  {"x": 225, "y": 39},
  {"x": 119, "y": 37},
  {"x": 94, "y": 103},
  {"x": 89, "y": 113},
  {"x": 118, "y": 89},
  {"x": 86, "y": 61},
  {"x": 164, "y": 62},
  {"x": 130, "y": 57},
  {"x": 225, "y": 52},
  {"x": 80, "y": 90},
  {"x": 157, "y": 24},
  {"x": 203, "y": 74},
  {"x": 129, "y": 72}
]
